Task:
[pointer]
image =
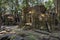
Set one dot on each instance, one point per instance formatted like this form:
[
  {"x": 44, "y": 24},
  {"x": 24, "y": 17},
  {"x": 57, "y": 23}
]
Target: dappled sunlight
[{"x": 29, "y": 20}]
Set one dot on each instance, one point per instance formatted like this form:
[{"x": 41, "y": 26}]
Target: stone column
[{"x": 57, "y": 5}]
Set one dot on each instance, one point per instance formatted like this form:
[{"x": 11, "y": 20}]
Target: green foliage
[
  {"x": 32, "y": 37},
  {"x": 13, "y": 37},
  {"x": 49, "y": 4}
]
